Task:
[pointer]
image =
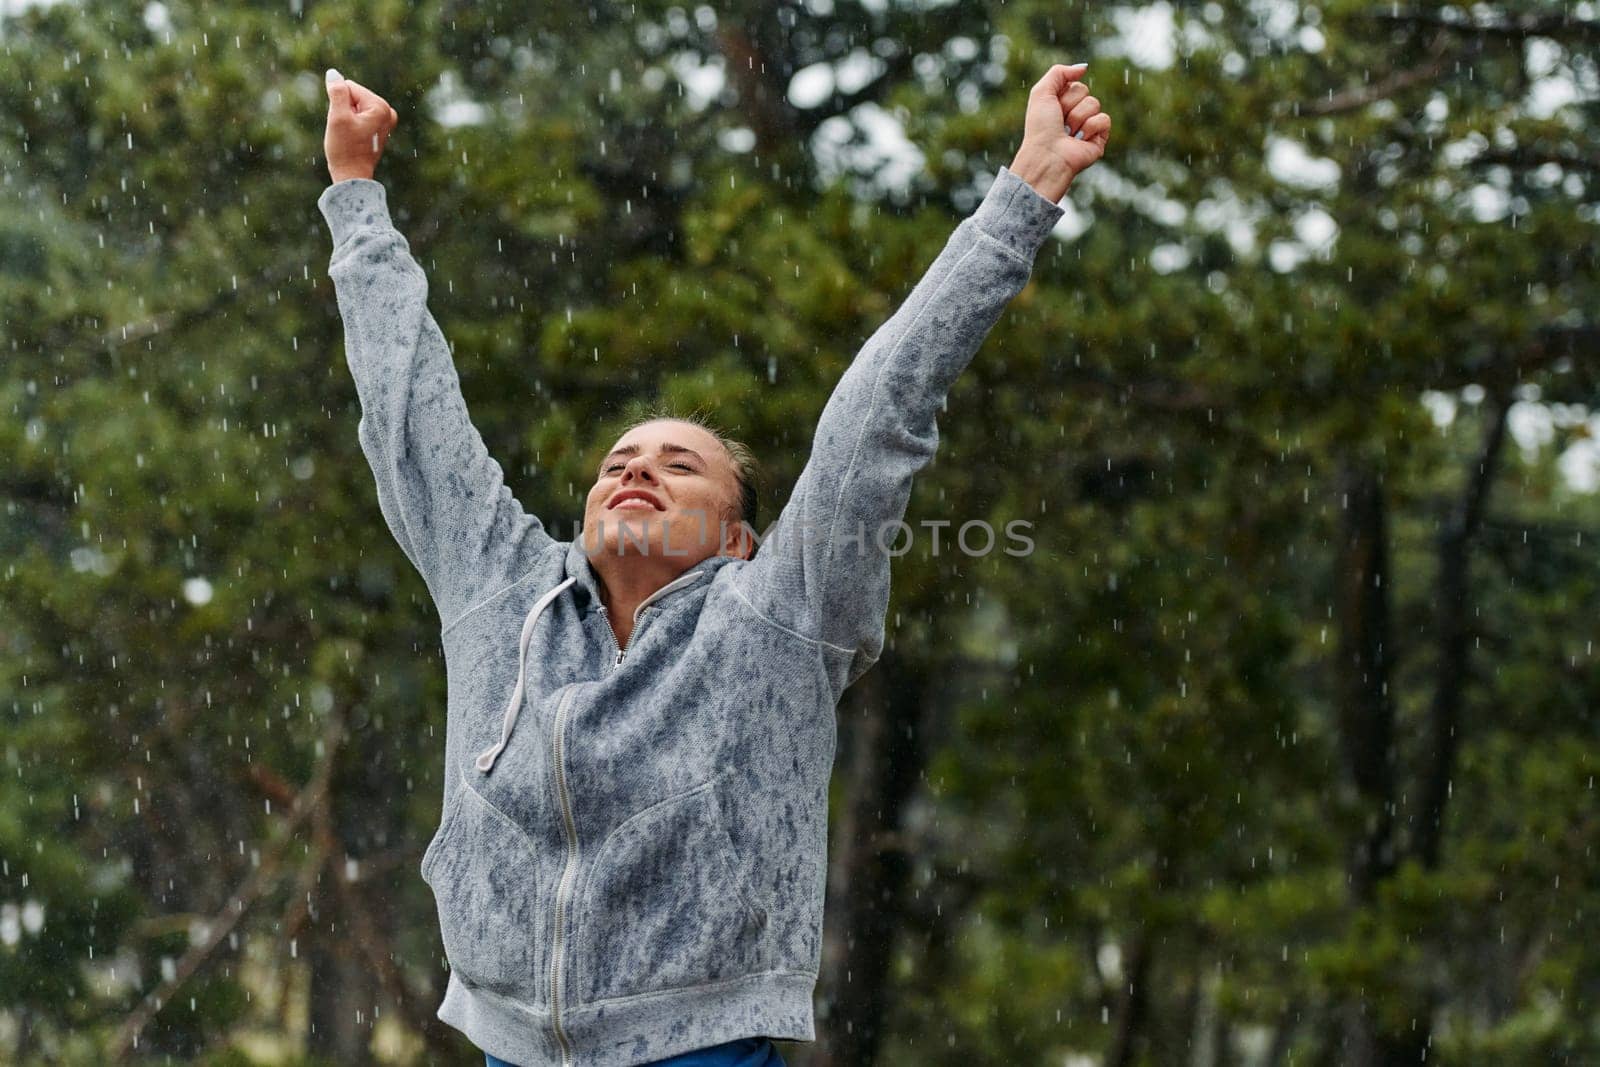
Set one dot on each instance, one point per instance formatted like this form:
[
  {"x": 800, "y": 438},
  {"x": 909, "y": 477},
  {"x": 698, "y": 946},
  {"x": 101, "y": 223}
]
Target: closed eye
[{"x": 618, "y": 466}]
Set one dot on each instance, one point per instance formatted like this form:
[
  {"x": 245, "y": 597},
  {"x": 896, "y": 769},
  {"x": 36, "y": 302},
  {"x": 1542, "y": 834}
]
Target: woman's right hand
[{"x": 359, "y": 124}]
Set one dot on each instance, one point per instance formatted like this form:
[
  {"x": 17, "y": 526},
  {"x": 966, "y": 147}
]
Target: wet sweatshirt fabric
[{"x": 632, "y": 848}]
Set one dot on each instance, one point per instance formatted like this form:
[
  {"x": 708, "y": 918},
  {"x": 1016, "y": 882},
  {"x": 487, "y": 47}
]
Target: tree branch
[
  {"x": 1510, "y": 27},
  {"x": 1535, "y": 157},
  {"x": 1397, "y": 82}
]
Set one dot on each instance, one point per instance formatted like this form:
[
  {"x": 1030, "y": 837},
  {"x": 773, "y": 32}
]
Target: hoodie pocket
[
  {"x": 667, "y": 904},
  {"x": 482, "y": 871}
]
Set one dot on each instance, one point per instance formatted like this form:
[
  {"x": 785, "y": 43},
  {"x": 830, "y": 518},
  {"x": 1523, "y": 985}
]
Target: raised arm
[
  {"x": 823, "y": 571},
  {"x": 441, "y": 493}
]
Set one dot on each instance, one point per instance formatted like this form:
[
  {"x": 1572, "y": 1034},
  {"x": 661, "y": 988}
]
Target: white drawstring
[{"x": 486, "y": 760}]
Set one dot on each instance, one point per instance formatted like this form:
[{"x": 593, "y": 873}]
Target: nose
[{"x": 638, "y": 467}]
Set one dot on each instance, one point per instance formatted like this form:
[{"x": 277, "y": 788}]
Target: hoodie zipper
[
  {"x": 566, "y": 877},
  {"x": 564, "y": 888},
  {"x": 669, "y": 587},
  {"x": 617, "y": 662}
]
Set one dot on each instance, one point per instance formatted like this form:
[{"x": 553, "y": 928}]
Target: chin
[{"x": 643, "y": 537}]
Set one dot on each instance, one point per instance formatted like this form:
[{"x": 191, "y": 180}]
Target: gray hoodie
[{"x": 631, "y": 857}]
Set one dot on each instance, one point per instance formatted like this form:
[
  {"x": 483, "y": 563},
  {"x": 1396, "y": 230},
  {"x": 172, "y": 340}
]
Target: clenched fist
[
  {"x": 359, "y": 123},
  {"x": 1059, "y": 108}
]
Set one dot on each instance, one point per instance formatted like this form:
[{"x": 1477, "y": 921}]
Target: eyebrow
[{"x": 667, "y": 448}]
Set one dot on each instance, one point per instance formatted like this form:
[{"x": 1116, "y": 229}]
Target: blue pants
[{"x": 746, "y": 1052}]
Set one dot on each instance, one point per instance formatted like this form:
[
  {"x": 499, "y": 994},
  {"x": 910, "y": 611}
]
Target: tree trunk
[
  {"x": 1133, "y": 1000},
  {"x": 882, "y": 721},
  {"x": 1453, "y": 605},
  {"x": 1452, "y": 666},
  {"x": 342, "y": 990},
  {"x": 1367, "y": 715},
  {"x": 1283, "y": 1037},
  {"x": 1366, "y": 712}
]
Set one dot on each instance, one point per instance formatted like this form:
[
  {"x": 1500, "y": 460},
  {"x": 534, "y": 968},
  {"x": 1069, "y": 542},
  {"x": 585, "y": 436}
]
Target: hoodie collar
[
  {"x": 587, "y": 583},
  {"x": 580, "y": 575}
]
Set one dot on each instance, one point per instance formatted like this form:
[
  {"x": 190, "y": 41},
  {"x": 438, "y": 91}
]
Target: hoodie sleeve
[
  {"x": 442, "y": 495},
  {"x": 821, "y": 571}
]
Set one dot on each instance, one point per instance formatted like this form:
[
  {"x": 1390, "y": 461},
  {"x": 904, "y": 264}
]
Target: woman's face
[{"x": 666, "y": 489}]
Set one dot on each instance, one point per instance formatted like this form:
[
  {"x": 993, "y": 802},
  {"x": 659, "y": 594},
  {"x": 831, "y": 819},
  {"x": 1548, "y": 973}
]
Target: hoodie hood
[{"x": 586, "y": 583}]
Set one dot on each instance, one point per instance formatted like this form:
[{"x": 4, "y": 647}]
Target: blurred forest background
[{"x": 1279, "y": 749}]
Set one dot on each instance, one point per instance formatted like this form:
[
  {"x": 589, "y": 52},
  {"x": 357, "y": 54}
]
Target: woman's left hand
[{"x": 1059, "y": 107}]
